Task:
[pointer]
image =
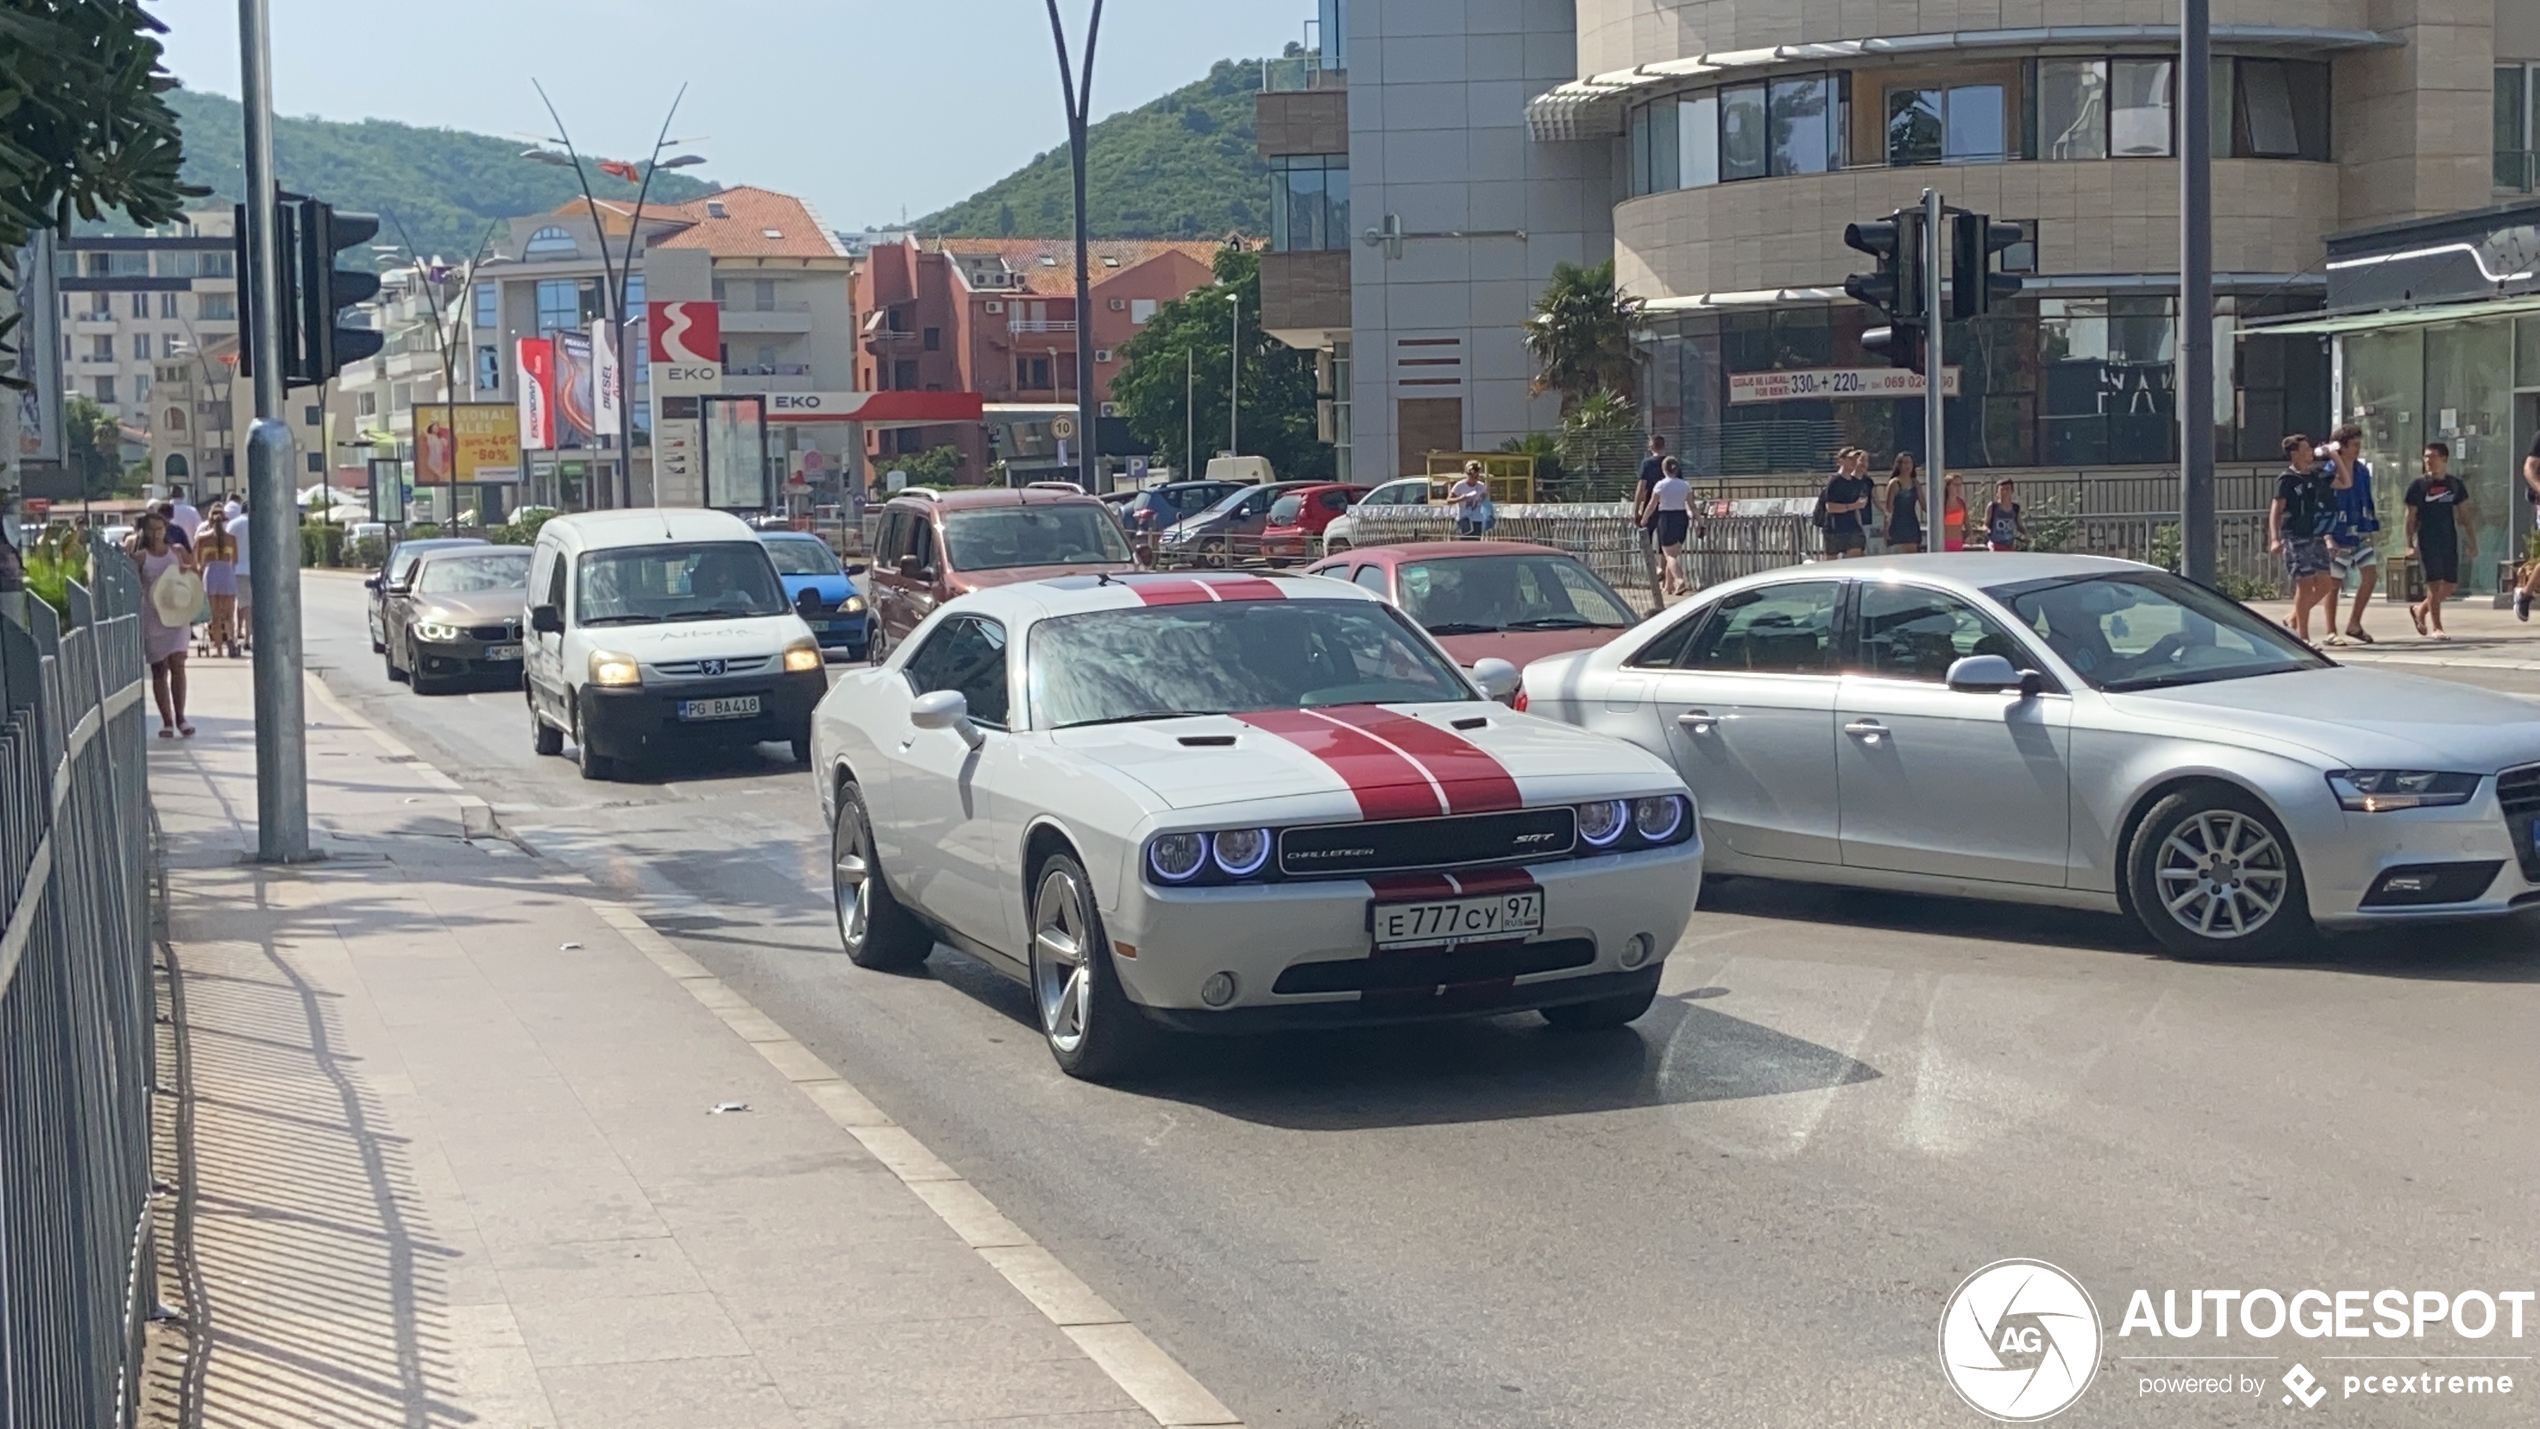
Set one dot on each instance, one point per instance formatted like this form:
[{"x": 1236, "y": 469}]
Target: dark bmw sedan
[{"x": 457, "y": 618}]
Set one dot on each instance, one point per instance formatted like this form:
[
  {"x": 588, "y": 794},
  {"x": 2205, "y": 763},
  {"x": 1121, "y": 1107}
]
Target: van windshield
[{"x": 700, "y": 580}]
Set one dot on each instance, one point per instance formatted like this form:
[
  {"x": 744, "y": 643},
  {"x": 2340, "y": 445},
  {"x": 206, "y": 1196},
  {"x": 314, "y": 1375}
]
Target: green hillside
[
  {"x": 1183, "y": 166},
  {"x": 444, "y": 184}
]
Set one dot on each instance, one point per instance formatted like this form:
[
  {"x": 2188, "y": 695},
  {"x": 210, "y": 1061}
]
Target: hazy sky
[{"x": 866, "y": 107}]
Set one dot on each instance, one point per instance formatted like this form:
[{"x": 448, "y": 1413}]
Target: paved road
[{"x": 1747, "y": 1209}]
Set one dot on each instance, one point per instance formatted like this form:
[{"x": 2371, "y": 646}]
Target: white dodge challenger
[{"x": 1236, "y": 803}]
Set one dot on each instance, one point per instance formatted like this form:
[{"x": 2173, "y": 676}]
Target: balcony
[
  {"x": 1300, "y": 74},
  {"x": 1041, "y": 325}
]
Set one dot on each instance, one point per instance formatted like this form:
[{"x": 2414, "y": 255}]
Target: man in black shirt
[
  {"x": 2298, "y": 523},
  {"x": 2530, "y": 585},
  {"x": 1653, "y": 469},
  {"x": 1844, "y": 499}
]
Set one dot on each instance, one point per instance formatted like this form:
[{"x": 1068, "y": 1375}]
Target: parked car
[
  {"x": 652, "y": 633},
  {"x": 1151, "y": 512},
  {"x": 1341, "y": 533},
  {"x": 1486, "y": 600},
  {"x": 398, "y": 570},
  {"x": 1297, "y": 519},
  {"x": 933, "y": 547},
  {"x": 2073, "y": 731},
  {"x": 1238, "y": 803},
  {"x": 822, "y": 590},
  {"x": 456, "y": 618},
  {"x": 1229, "y": 529}
]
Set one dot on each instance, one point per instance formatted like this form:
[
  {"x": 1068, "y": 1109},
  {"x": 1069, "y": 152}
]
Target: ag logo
[{"x": 2019, "y": 1341}]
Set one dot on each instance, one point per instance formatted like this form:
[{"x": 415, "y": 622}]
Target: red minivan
[{"x": 1298, "y": 517}]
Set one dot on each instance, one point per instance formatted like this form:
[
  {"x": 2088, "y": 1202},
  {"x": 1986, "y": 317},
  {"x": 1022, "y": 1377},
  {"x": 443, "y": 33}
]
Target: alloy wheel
[
  {"x": 2222, "y": 874},
  {"x": 1062, "y": 964},
  {"x": 849, "y": 871}
]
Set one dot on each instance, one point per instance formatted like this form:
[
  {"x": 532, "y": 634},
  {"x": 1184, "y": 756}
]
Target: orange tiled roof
[
  {"x": 1058, "y": 275},
  {"x": 756, "y": 223}
]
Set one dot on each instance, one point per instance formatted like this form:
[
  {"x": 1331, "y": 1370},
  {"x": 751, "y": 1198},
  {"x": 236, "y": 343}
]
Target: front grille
[
  {"x": 2518, "y": 794},
  {"x": 1409, "y": 845},
  {"x": 707, "y": 669},
  {"x": 1430, "y": 968},
  {"x": 508, "y": 630}
]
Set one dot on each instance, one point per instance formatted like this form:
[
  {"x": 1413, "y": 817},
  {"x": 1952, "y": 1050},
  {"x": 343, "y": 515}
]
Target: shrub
[
  {"x": 321, "y": 544},
  {"x": 366, "y": 552}
]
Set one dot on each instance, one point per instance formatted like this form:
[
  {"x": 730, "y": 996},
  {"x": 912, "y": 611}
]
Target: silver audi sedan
[{"x": 2073, "y": 731}]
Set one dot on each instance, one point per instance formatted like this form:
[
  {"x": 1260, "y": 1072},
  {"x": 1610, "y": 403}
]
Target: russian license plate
[
  {"x": 1458, "y": 920},
  {"x": 726, "y": 707},
  {"x": 502, "y": 652}
]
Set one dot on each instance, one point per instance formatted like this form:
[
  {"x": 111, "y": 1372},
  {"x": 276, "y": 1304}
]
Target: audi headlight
[
  {"x": 854, "y": 605},
  {"x": 1176, "y": 858},
  {"x": 1602, "y": 822},
  {"x": 800, "y": 656},
  {"x": 610, "y": 669},
  {"x": 1659, "y": 817},
  {"x": 2378, "y": 791},
  {"x": 432, "y": 630},
  {"x": 1242, "y": 852}
]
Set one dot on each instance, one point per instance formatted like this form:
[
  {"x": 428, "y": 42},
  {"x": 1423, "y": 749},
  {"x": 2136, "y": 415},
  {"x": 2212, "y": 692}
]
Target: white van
[{"x": 652, "y": 632}]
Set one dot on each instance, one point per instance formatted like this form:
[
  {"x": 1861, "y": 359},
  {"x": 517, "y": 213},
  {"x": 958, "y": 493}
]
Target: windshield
[
  {"x": 1232, "y": 657},
  {"x": 803, "y": 558},
  {"x": 1469, "y": 595},
  {"x": 461, "y": 575},
  {"x": 2150, "y": 630},
  {"x": 706, "y": 580},
  {"x": 1005, "y": 537}
]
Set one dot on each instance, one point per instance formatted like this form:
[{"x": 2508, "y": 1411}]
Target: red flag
[{"x": 621, "y": 169}]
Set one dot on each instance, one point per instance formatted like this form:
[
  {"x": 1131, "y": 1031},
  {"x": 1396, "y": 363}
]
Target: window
[
  {"x": 1309, "y": 203},
  {"x": 216, "y": 307},
  {"x": 2109, "y": 386},
  {"x": 141, "y": 387},
  {"x": 1142, "y": 311},
  {"x": 1698, "y": 141},
  {"x": 2517, "y": 168},
  {"x": 101, "y": 347},
  {"x": 551, "y": 242},
  {"x": 141, "y": 340},
  {"x": 559, "y": 305},
  {"x": 141, "y": 305},
  {"x": 366, "y": 404},
  {"x": 223, "y": 264},
  {"x": 1779, "y": 630},
  {"x": 167, "y": 305},
  {"x": 934, "y": 339},
  {"x": 489, "y": 369},
  {"x": 635, "y": 294},
  {"x": 1911, "y": 634},
  {"x": 1802, "y": 116},
  {"x": 2072, "y": 109},
  {"x": 2277, "y": 109},
  {"x": 103, "y": 389},
  {"x": 401, "y": 397},
  {"x": 2139, "y": 108},
  {"x": 903, "y": 373},
  {"x": 966, "y": 656},
  {"x": 2141, "y": 632},
  {"x": 1957, "y": 124},
  {"x": 1231, "y": 656},
  {"x": 1744, "y": 150},
  {"x": 489, "y": 306},
  {"x": 1373, "y": 578},
  {"x": 1032, "y": 373},
  {"x": 1010, "y": 537},
  {"x": 682, "y": 582},
  {"x": 174, "y": 419}
]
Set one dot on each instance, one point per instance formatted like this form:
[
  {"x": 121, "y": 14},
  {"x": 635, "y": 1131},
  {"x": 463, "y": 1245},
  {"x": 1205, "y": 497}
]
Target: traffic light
[
  {"x": 1973, "y": 285},
  {"x": 1896, "y": 241},
  {"x": 309, "y": 234},
  {"x": 1900, "y": 343}
]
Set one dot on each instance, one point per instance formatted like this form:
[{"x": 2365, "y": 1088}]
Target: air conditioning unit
[
  {"x": 994, "y": 306},
  {"x": 1120, "y": 305},
  {"x": 1110, "y": 409},
  {"x": 1102, "y": 354}
]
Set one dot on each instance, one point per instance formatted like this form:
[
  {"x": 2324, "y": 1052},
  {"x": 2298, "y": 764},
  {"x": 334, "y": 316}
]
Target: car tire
[
  {"x": 593, "y": 764},
  {"x": 545, "y": 740},
  {"x": 2212, "y": 876},
  {"x": 1602, "y": 1013},
  {"x": 874, "y": 928},
  {"x": 1086, "y": 1019},
  {"x": 877, "y": 648},
  {"x": 388, "y": 657}
]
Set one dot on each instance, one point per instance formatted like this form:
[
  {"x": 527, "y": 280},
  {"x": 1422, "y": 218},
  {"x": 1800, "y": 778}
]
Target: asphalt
[{"x": 1747, "y": 1209}]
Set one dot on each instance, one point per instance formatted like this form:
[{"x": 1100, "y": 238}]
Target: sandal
[
  {"x": 166, "y": 732},
  {"x": 2357, "y": 635},
  {"x": 2417, "y": 614},
  {"x": 2334, "y": 639},
  {"x": 185, "y": 731}
]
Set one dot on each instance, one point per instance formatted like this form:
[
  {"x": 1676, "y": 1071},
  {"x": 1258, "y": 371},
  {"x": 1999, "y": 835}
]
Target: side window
[
  {"x": 886, "y": 540},
  {"x": 919, "y": 541},
  {"x": 1913, "y": 634},
  {"x": 966, "y": 655},
  {"x": 1667, "y": 652},
  {"x": 1335, "y": 500},
  {"x": 1779, "y": 630},
  {"x": 1373, "y": 578}
]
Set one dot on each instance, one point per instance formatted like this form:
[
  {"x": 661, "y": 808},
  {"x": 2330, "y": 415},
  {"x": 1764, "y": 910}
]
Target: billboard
[
  {"x": 576, "y": 404},
  {"x": 608, "y": 388},
  {"x": 537, "y": 367},
  {"x": 469, "y": 442},
  {"x": 39, "y": 353},
  {"x": 736, "y": 453}
]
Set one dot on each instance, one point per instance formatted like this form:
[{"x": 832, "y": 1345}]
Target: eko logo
[{"x": 2019, "y": 1341}]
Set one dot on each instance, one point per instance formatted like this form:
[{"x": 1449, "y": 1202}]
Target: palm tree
[{"x": 1581, "y": 335}]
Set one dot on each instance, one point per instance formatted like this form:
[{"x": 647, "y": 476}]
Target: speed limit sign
[{"x": 1063, "y": 428}]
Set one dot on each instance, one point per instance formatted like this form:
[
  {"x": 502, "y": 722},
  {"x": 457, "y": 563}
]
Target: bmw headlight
[
  {"x": 610, "y": 669},
  {"x": 1659, "y": 817},
  {"x": 2378, "y": 791},
  {"x": 854, "y": 605},
  {"x": 1242, "y": 852},
  {"x": 435, "y": 631},
  {"x": 1177, "y": 858},
  {"x": 1602, "y": 822},
  {"x": 800, "y": 656}
]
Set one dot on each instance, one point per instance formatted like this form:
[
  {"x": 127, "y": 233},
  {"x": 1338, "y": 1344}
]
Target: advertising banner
[
  {"x": 607, "y": 381},
  {"x": 39, "y": 344},
  {"x": 576, "y": 400},
  {"x": 1833, "y": 383},
  {"x": 736, "y": 453},
  {"x": 469, "y": 442},
  {"x": 683, "y": 345},
  {"x": 537, "y": 365}
]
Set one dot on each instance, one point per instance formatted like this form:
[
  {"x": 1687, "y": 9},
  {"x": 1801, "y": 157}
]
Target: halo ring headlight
[
  {"x": 1177, "y": 858},
  {"x": 1240, "y": 853},
  {"x": 1658, "y": 817},
  {"x": 1602, "y": 822}
]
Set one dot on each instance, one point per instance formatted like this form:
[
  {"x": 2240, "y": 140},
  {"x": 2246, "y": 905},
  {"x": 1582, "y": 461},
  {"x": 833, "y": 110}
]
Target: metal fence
[{"x": 76, "y": 1045}]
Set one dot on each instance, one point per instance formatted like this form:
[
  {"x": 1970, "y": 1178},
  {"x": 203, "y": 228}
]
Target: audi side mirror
[
  {"x": 946, "y": 709},
  {"x": 1992, "y": 673},
  {"x": 546, "y": 620}
]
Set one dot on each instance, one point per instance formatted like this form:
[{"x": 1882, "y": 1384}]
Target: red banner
[{"x": 537, "y": 361}]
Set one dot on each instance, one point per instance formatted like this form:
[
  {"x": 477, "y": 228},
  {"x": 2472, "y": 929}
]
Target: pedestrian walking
[
  {"x": 1904, "y": 506},
  {"x": 217, "y": 550},
  {"x": 1471, "y": 497},
  {"x": 2005, "y": 521},
  {"x": 2354, "y": 546},
  {"x": 243, "y": 621},
  {"x": 1673, "y": 498},
  {"x": 1840, "y": 505},
  {"x": 2298, "y": 522},
  {"x": 183, "y": 515},
  {"x": 2529, "y": 586},
  {"x": 1653, "y": 469},
  {"x": 170, "y": 591},
  {"x": 1953, "y": 513},
  {"x": 178, "y": 536},
  {"x": 2439, "y": 534}
]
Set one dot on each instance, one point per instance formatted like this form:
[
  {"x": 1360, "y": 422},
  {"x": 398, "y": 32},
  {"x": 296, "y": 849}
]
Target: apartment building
[
  {"x": 136, "y": 310},
  {"x": 997, "y": 316}
]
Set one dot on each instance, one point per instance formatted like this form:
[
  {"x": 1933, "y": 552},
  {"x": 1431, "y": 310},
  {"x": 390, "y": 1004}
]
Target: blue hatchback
[{"x": 840, "y": 620}]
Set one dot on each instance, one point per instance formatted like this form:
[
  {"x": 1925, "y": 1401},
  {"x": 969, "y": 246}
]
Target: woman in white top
[{"x": 1673, "y": 498}]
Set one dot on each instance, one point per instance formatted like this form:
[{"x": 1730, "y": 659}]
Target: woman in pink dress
[{"x": 163, "y": 644}]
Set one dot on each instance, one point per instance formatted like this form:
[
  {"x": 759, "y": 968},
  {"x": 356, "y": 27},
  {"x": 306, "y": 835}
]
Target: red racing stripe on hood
[
  {"x": 1198, "y": 590},
  {"x": 1473, "y": 779},
  {"x": 1386, "y": 784}
]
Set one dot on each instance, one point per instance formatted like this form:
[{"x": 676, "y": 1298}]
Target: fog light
[
  {"x": 1218, "y": 990},
  {"x": 1636, "y": 949}
]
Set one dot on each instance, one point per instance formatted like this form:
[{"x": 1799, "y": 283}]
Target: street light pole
[
  {"x": 2198, "y": 557},
  {"x": 1235, "y": 375},
  {"x": 1078, "y": 91},
  {"x": 1190, "y": 410}
]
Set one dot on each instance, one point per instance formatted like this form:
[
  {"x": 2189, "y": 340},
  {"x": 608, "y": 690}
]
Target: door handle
[
  {"x": 1698, "y": 722},
  {"x": 1868, "y": 731}
]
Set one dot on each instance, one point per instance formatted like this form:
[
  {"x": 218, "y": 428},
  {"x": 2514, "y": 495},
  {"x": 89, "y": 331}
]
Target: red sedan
[
  {"x": 1490, "y": 599},
  {"x": 1298, "y": 518}
]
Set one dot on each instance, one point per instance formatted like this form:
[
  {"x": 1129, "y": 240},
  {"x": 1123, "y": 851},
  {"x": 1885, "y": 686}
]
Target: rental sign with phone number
[{"x": 1823, "y": 383}]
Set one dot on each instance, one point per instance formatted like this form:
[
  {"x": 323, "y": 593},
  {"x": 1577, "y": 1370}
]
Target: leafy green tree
[
  {"x": 1545, "y": 448},
  {"x": 1600, "y": 441},
  {"x": 938, "y": 467},
  {"x": 92, "y": 447},
  {"x": 1278, "y": 392},
  {"x": 1580, "y": 335}
]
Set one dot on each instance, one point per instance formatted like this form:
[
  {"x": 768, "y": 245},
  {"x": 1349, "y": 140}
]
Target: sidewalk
[
  {"x": 465, "y": 1156},
  {"x": 2482, "y": 637}
]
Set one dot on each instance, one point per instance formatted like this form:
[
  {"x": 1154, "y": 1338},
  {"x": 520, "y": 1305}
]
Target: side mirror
[
  {"x": 546, "y": 620},
  {"x": 911, "y": 568},
  {"x": 399, "y": 588},
  {"x": 857, "y": 568},
  {"x": 1497, "y": 678},
  {"x": 807, "y": 602},
  {"x": 371, "y": 584},
  {"x": 946, "y": 709},
  {"x": 1980, "y": 673}
]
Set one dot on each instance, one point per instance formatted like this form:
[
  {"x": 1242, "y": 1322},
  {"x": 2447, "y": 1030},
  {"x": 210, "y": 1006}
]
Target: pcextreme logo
[{"x": 2019, "y": 1341}]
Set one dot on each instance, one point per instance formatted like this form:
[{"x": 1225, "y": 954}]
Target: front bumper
[
  {"x": 627, "y": 723},
  {"x": 837, "y": 631},
  {"x": 1312, "y": 935},
  {"x": 453, "y": 659},
  {"x": 2348, "y": 858}
]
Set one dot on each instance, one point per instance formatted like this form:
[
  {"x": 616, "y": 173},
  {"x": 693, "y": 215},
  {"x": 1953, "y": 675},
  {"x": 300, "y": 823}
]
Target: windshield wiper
[
  {"x": 630, "y": 618},
  {"x": 1142, "y": 716},
  {"x": 1461, "y": 627},
  {"x": 1562, "y": 622}
]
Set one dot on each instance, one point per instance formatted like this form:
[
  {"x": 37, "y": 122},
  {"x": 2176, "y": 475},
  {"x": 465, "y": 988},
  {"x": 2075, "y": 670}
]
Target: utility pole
[
  {"x": 273, "y": 528},
  {"x": 2198, "y": 558},
  {"x": 1935, "y": 410},
  {"x": 1235, "y": 376},
  {"x": 1190, "y": 409},
  {"x": 1079, "y": 94}
]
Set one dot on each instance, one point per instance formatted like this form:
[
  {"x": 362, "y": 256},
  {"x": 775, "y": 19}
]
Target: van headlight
[
  {"x": 2377, "y": 791},
  {"x": 801, "y": 656},
  {"x": 612, "y": 670}
]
